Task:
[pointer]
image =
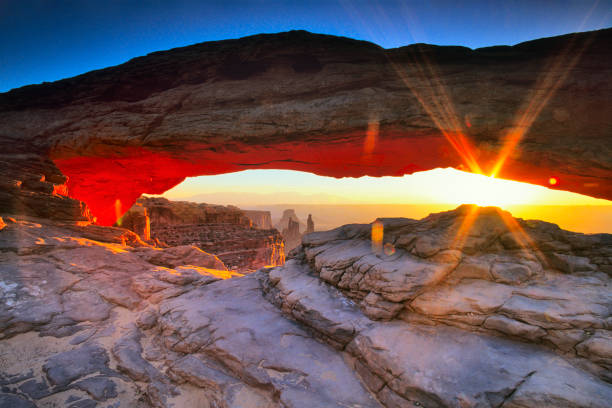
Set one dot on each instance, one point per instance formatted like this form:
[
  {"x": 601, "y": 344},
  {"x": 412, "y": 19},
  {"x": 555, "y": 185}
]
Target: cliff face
[
  {"x": 291, "y": 227},
  {"x": 162, "y": 211},
  {"x": 326, "y": 105},
  {"x": 260, "y": 219},
  {"x": 221, "y": 230},
  {"x": 31, "y": 184},
  {"x": 241, "y": 249}
]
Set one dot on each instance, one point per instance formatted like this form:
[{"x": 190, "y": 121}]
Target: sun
[{"x": 469, "y": 188}]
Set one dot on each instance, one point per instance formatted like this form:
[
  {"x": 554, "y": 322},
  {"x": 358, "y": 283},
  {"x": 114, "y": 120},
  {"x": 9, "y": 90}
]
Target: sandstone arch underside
[{"x": 327, "y": 105}]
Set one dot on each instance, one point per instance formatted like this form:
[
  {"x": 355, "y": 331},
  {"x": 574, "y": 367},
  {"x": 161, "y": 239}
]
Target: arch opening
[
  {"x": 335, "y": 202},
  {"x": 102, "y": 181}
]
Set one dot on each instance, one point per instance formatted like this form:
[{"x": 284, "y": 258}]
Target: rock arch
[{"x": 538, "y": 112}]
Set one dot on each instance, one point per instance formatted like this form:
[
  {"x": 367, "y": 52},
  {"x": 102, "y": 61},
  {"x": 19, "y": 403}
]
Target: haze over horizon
[
  {"x": 335, "y": 202},
  {"x": 438, "y": 186}
]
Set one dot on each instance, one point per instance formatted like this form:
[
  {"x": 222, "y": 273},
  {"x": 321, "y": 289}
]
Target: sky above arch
[{"x": 45, "y": 40}]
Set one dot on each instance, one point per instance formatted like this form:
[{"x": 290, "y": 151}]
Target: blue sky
[{"x": 49, "y": 40}]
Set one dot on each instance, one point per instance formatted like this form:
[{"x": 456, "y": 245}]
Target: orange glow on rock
[
  {"x": 377, "y": 236},
  {"x": 216, "y": 273},
  {"x": 118, "y": 212},
  {"x": 125, "y": 176},
  {"x": 370, "y": 141},
  {"x": 463, "y": 231},
  {"x": 520, "y": 235},
  {"x": 100, "y": 178}
]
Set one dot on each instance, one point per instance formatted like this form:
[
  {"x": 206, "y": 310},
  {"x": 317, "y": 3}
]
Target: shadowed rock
[{"x": 66, "y": 367}]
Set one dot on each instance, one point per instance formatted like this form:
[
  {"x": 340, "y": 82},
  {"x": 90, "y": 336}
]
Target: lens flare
[
  {"x": 464, "y": 229},
  {"x": 118, "y": 212},
  {"x": 370, "y": 142},
  {"x": 389, "y": 249},
  {"x": 377, "y": 236},
  {"x": 554, "y": 75},
  {"x": 521, "y": 236}
]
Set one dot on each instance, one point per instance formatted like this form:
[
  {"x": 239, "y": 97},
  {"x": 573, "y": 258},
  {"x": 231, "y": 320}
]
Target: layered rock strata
[
  {"x": 467, "y": 308},
  {"x": 532, "y": 112},
  {"x": 162, "y": 211},
  {"x": 290, "y": 227},
  {"x": 260, "y": 219},
  {"x": 31, "y": 184},
  {"x": 88, "y": 321},
  {"x": 241, "y": 249},
  {"x": 225, "y": 231}
]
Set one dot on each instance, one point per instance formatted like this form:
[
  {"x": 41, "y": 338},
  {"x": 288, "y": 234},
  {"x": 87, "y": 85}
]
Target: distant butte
[{"x": 327, "y": 105}]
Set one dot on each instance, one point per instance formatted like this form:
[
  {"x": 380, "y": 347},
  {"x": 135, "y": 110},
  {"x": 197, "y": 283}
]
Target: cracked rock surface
[{"x": 505, "y": 313}]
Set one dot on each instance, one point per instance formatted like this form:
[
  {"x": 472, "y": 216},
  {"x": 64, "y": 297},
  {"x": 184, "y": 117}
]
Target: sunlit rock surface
[
  {"x": 327, "y": 105},
  {"x": 162, "y": 211},
  {"x": 442, "y": 316},
  {"x": 97, "y": 322}
]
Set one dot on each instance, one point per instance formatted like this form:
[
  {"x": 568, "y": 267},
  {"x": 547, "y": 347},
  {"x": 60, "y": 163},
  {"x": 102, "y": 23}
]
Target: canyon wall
[
  {"x": 162, "y": 211},
  {"x": 242, "y": 249},
  {"x": 260, "y": 219},
  {"x": 32, "y": 185},
  {"x": 290, "y": 227},
  {"x": 224, "y": 231},
  {"x": 533, "y": 112}
]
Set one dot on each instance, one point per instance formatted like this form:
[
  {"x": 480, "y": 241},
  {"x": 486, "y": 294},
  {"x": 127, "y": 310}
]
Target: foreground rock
[
  {"x": 88, "y": 322},
  {"x": 479, "y": 309},
  {"x": 328, "y": 105},
  {"x": 434, "y": 319}
]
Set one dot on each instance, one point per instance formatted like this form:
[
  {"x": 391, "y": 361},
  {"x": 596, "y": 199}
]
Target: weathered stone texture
[{"x": 95, "y": 323}]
